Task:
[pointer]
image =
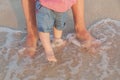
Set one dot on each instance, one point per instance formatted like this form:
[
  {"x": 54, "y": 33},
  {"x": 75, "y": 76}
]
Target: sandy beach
[{"x": 73, "y": 63}]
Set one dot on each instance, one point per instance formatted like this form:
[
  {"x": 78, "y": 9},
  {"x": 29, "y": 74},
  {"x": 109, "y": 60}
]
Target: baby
[{"x": 51, "y": 15}]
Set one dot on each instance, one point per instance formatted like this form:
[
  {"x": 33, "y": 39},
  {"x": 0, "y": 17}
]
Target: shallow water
[{"x": 73, "y": 63}]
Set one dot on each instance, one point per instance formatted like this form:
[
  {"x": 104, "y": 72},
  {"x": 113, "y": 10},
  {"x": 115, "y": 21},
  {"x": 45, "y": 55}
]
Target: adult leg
[
  {"x": 29, "y": 12},
  {"x": 81, "y": 31},
  {"x": 78, "y": 14}
]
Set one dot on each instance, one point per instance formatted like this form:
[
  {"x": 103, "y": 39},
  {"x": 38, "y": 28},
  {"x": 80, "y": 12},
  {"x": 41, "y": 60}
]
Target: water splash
[{"x": 73, "y": 63}]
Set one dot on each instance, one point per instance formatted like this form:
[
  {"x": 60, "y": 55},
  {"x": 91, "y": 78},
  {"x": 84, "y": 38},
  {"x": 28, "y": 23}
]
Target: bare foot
[
  {"x": 30, "y": 50},
  {"x": 31, "y": 44},
  {"x": 50, "y": 56},
  {"x": 58, "y": 43},
  {"x": 89, "y": 43}
]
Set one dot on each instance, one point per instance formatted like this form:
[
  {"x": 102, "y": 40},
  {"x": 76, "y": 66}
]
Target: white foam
[
  {"x": 99, "y": 67},
  {"x": 71, "y": 37},
  {"x": 9, "y": 37},
  {"x": 11, "y": 67},
  {"x": 104, "y": 21},
  {"x": 30, "y": 78}
]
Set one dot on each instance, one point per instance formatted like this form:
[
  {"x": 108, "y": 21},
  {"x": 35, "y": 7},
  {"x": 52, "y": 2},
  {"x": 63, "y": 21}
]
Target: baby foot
[
  {"x": 50, "y": 56},
  {"x": 58, "y": 43}
]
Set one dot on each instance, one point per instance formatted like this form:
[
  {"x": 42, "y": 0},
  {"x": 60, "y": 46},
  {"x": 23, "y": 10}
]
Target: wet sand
[{"x": 73, "y": 62}]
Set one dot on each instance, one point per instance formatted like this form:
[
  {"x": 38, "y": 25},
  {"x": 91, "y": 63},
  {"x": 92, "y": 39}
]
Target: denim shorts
[{"x": 47, "y": 19}]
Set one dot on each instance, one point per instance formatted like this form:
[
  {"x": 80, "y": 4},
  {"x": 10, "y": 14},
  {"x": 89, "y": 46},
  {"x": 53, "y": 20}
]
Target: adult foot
[
  {"x": 88, "y": 42},
  {"x": 91, "y": 45},
  {"x": 31, "y": 45}
]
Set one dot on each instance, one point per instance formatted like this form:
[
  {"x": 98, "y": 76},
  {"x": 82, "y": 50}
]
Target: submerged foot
[
  {"x": 50, "y": 56},
  {"x": 89, "y": 43},
  {"x": 59, "y": 43},
  {"x": 30, "y": 50},
  {"x": 31, "y": 45}
]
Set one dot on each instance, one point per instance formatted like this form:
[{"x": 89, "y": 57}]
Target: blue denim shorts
[{"x": 47, "y": 19}]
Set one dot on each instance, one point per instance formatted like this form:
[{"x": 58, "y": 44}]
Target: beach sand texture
[{"x": 73, "y": 63}]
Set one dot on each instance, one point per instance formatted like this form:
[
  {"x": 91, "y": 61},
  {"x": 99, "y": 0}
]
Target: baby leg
[{"x": 45, "y": 39}]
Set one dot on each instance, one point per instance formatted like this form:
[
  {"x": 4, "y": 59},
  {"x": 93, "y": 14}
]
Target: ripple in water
[{"x": 73, "y": 63}]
